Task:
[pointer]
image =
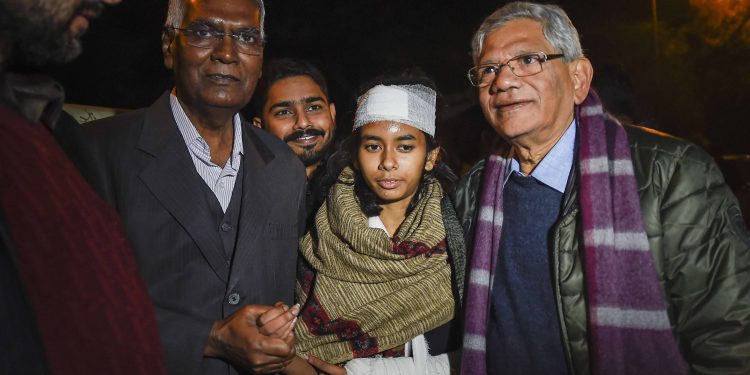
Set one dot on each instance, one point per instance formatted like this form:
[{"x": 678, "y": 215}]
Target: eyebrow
[
  {"x": 406, "y": 137},
  {"x": 289, "y": 103},
  {"x": 217, "y": 25}
]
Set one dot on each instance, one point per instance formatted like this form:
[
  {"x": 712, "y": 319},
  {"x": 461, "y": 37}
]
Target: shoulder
[
  {"x": 468, "y": 184},
  {"x": 472, "y": 176},
  {"x": 655, "y": 145},
  {"x": 274, "y": 148}
]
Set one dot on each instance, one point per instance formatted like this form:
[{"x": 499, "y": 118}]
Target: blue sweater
[{"x": 524, "y": 331}]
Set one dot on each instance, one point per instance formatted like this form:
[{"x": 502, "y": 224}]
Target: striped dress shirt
[{"x": 219, "y": 179}]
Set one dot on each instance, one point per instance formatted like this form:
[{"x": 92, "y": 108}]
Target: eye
[
  {"x": 487, "y": 69},
  {"x": 248, "y": 37},
  {"x": 282, "y": 113},
  {"x": 528, "y": 59},
  {"x": 406, "y": 148},
  {"x": 371, "y": 147},
  {"x": 203, "y": 32},
  {"x": 314, "y": 107}
]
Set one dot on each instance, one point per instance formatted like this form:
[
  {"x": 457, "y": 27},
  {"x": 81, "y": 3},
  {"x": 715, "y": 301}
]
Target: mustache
[{"x": 303, "y": 133}]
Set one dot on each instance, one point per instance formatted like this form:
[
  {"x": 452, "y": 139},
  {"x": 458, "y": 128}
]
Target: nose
[
  {"x": 504, "y": 80},
  {"x": 223, "y": 50},
  {"x": 388, "y": 161},
  {"x": 303, "y": 121}
]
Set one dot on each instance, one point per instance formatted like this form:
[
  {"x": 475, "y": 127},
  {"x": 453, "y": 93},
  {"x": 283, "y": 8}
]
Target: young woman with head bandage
[{"x": 383, "y": 264}]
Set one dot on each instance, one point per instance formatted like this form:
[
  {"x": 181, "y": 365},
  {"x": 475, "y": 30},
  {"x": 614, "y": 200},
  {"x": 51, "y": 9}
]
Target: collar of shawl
[{"x": 341, "y": 224}]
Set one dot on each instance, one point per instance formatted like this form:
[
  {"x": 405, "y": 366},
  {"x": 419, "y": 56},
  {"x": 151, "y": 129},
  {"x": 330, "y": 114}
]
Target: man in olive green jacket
[{"x": 696, "y": 235}]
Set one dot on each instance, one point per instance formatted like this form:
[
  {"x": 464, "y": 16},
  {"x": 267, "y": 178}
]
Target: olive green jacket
[{"x": 699, "y": 242}]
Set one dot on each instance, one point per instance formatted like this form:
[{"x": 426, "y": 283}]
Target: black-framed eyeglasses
[
  {"x": 524, "y": 65},
  {"x": 248, "y": 41}
]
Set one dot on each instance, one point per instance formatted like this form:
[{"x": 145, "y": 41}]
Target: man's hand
[
  {"x": 239, "y": 339},
  {"x": 279, "y": 321}
]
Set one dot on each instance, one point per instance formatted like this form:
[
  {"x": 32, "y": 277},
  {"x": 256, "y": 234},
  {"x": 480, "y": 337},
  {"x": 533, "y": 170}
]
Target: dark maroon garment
[{"x": 92, "y": 311}]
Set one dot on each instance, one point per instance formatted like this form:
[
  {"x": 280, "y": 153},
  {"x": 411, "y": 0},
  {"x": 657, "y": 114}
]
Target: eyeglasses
[
  {"x": 247, "y": 42},
  {"x": 522, "y": 66}
]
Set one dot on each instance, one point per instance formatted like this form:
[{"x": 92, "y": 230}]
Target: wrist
[{"x": 213, "y": 343}]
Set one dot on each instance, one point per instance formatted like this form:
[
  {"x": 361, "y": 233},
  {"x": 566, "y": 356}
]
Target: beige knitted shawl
[{"x": 370, "y": 293}]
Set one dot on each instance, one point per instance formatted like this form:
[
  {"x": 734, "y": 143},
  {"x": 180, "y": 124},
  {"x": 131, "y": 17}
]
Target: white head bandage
[{"x": 413, "y": 105}]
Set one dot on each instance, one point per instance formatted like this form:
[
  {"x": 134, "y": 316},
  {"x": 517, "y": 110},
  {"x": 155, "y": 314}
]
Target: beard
[
  {"x": 39, "y": 39},
  {"x": 309, "y": 155}
]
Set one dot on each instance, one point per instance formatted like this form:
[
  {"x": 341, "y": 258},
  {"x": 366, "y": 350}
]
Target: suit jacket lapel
[
  {"x": 172, "y": 178},
  {"x": 256, "y": 195}
]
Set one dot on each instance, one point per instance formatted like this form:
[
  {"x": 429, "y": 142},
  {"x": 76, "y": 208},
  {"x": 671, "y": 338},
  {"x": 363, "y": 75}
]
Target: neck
[
  {"x": 393, "y": 215},
  {"x": 310, "y": 170},
  {"x": 216, "y": 127},
  {"x": 530, "y": 152}
]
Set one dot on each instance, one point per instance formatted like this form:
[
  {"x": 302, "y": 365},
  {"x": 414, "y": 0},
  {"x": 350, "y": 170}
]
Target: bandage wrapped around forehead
[{"x": 413, "y": 105}]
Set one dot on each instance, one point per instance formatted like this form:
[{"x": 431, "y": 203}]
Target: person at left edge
[
  {"x": 71, "y": 299},
  {"x": 213, "y": 206}
]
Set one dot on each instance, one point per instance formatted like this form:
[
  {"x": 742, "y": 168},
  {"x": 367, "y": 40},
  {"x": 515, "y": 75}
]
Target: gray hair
[
  {"x": 176, "y": 13},
  {"x": 557, "y": 27}
]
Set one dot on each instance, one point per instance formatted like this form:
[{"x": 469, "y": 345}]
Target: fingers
[
  {"x": 272, "y": 313},
  {"x": 325, "y": 366},
  {"x": 281, "y": 324}
]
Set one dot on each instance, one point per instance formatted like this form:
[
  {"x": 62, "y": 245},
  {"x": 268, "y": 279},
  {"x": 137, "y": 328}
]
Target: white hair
[
  {"x": 556, "y": 26},
  {"x": 176, "y": 13}
]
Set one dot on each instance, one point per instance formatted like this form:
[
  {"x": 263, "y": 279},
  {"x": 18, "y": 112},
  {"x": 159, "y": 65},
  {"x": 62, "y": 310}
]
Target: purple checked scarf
[{"x": 629, "y": 331}]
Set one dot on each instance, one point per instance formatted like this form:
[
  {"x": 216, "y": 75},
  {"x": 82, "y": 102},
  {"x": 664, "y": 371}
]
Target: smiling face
[
  {"x": 392, "y": 158},
  {"x": 533, "y": 109},
  {"x": 49, "y": 31},
  {"x": 297, "y": 111},
  {"x": 217, "y": 77}
]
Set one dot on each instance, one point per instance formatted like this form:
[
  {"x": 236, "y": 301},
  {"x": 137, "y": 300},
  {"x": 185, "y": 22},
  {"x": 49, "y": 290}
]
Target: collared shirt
[
  {"x": 220, "y": 180},
  {"x": 554, "y": 169}
]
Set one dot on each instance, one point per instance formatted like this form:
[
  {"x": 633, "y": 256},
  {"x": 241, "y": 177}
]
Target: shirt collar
[
  {"x": 554, "y": 169},
  {"x": 190, "y": 133}
]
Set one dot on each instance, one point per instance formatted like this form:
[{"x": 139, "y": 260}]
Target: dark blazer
[{"x": 139, "y": 162}]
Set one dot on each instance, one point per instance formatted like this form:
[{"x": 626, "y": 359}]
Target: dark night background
[{"x": 687, "y": 59}]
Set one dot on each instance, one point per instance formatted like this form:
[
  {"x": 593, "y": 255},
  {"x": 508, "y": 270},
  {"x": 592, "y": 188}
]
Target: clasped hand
[{"x": 257, "y": 338}]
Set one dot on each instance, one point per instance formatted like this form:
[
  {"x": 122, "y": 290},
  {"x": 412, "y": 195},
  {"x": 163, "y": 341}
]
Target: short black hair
[{"x": 284, "y": 68}]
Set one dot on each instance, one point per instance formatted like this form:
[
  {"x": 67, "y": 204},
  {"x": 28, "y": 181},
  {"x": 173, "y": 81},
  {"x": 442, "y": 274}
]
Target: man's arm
[{"x": 706, "y": 266}]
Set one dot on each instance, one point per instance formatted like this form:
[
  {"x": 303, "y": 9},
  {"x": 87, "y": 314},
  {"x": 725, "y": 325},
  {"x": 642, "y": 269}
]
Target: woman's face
[{"x": 392, "y": 157}]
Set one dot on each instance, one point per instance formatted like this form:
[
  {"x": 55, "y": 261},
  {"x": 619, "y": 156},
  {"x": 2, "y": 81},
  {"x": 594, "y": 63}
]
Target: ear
[
  {"x": 582, "y": 73},
  {"x": 167, "y": 47},
  {"x": 258, "y": 122},
  {"x": 332, "y": 109},
  {"x": 432, "y": 158}
]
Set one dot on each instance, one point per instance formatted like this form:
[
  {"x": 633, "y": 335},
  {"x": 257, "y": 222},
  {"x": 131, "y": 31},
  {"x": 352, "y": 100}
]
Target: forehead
[
  {"x": 294, "y": 88},
  {"x": 516, "y": 37},
  {"x": 390, "y": 130},
  {"x": 243, "y": 13}
]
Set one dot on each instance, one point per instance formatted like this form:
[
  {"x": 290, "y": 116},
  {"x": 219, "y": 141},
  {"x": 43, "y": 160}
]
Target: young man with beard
[
  {"x": 71, "y": 300},
  {"x": 292, "y": 103}
]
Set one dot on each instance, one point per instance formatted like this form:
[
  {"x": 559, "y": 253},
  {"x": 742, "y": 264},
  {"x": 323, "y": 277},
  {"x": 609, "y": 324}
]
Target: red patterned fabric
[{"x": 92, "y": 310}]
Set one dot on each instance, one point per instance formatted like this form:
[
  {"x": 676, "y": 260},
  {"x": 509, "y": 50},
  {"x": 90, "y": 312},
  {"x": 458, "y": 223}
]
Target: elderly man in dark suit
[{"x": 212, "y": 206}]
